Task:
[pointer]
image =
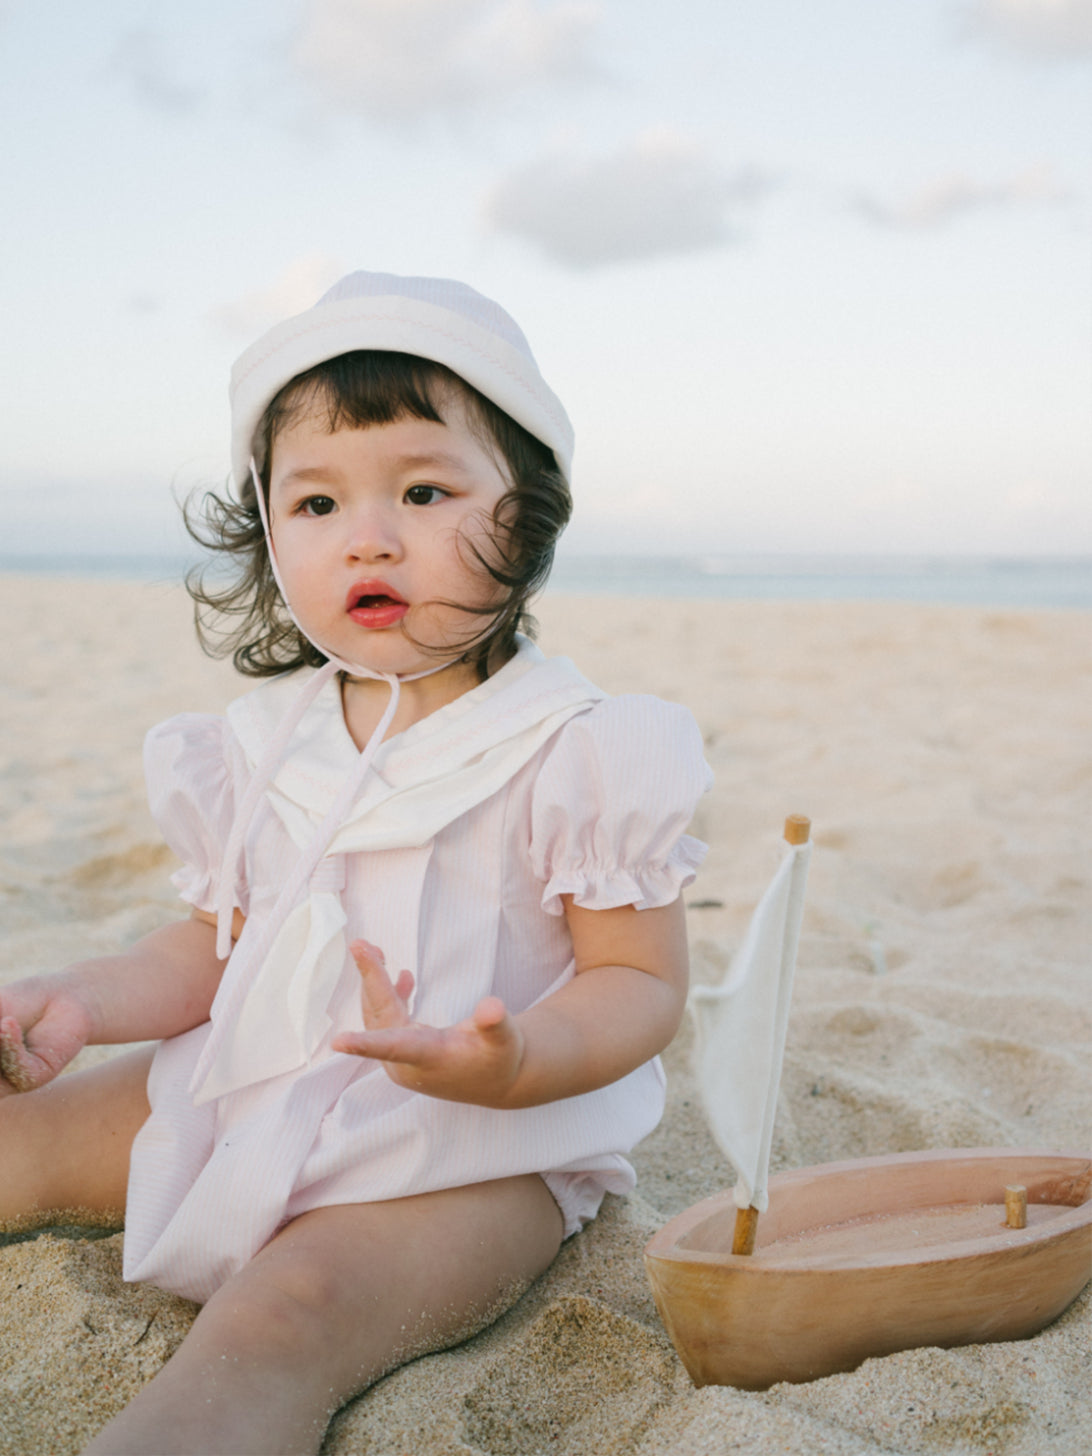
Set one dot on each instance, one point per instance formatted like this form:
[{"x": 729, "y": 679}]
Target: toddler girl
[{"x": 348, "y": 1165}]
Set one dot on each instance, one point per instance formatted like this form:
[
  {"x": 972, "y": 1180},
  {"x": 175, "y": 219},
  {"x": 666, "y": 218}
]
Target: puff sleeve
[
  {"x": 611, "y": 804},
  {"x": 188, "y": 770}
]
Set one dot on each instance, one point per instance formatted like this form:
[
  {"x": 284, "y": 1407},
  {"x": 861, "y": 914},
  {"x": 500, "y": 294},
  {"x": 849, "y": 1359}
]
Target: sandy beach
[{"x": 942, "y": 999}]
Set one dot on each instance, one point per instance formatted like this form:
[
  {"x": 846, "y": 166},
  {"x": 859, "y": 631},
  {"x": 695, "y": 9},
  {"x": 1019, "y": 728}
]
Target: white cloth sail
[{"x": 741, "y": 1025}]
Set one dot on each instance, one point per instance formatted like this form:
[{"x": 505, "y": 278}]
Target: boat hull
[{"x": 867, "y": 1257}]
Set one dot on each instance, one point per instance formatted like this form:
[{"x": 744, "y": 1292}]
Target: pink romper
[{"x": 254, "y": 1119}]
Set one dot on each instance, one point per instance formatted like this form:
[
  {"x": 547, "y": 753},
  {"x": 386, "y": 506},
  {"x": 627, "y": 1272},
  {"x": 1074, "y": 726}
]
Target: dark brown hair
[{"x": 239, "y": 611}]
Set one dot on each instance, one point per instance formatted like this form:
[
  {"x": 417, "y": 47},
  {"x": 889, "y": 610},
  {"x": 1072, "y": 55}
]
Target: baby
[{"x": 410, "y": 1027}]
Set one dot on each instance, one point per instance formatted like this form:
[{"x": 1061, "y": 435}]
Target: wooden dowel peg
[
  {"x": 797, "y": 829},
  {"x": 1016, "y": 1206},
  {"x": 743, "y": 1236}
]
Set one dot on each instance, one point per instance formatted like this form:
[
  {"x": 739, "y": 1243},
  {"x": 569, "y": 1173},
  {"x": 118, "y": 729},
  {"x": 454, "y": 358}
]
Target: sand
[{"x": 945, "y": 757}]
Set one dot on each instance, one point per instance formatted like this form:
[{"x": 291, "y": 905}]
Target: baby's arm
[
  {"x": 622, "y": 1007},
  {"x": 160, "y": 986}
]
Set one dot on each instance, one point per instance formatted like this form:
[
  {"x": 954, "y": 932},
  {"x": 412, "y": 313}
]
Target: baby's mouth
[
  {"x": 372, "y": 603},
  {"x": 371, "y": 594}
]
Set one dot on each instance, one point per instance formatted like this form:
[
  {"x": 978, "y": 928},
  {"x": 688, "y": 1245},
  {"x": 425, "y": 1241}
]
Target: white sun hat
[{"x": 434, "y": 318}]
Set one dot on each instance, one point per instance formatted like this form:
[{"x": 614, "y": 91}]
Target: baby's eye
[
  {"x": 425, "y": 495},
  {"x": 315, "y": 505}
]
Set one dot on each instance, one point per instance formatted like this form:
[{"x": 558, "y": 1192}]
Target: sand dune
[{"x": 945, "y": 757}]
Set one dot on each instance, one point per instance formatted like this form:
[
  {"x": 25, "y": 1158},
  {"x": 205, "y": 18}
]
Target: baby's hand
[
  {"x": 476, "y": 1061},
  {"x": 41, "y": 1030}
]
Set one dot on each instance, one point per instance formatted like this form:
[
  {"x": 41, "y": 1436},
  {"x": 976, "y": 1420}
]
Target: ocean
[
  {"x": 944, "y": 580},
  {"x": 1051, "y": 582}
]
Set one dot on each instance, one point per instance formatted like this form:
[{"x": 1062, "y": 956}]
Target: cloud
[
  {"x": 1052, "y": 29},
  {"x": 953, "y": 196},
  {"x": 296, "y": 288},
  {"x": 656, "y": 195},
  {"x": 139, "y": 58},
  {"x": 397, "y": 60}
]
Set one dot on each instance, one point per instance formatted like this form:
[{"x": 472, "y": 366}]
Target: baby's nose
[{"x": 374, "y": 537}]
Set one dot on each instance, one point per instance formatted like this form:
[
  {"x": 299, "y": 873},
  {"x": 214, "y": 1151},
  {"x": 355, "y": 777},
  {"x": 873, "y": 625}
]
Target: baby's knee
[
  {"x": 276, "y": 1307},
  {"x": 291, "y": 1321}
]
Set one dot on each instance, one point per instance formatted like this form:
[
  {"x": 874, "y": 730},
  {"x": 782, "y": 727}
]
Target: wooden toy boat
[{"x": 866, "y": 1257}]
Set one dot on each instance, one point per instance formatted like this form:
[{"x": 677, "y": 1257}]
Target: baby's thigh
[
  {"x": 335, "y": 1300},
  {"x": 65, "y": 1147},
  {"x": 367, "y": 1286}
]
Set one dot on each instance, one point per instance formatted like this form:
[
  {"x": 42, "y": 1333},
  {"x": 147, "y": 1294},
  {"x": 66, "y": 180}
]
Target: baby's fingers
[
  {"x": 410, "y": 1046},
  {"x": 384, "y": 1001},
  {"x": 491, "y": 1015},
  {"x": 14, "y": 1075},
  {"x": 404, "y": 985},
  {"x": 21, "y": 1070}
]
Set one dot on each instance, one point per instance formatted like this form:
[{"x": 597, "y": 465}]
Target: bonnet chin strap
[{"x": 273, "y": 755}]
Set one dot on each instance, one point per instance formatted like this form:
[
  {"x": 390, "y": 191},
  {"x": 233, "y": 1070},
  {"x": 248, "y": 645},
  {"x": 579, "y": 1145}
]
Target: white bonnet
[{"x": 434, "y": 318}]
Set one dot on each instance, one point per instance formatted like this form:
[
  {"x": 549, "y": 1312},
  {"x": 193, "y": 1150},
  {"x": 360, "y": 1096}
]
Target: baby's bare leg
[
  {"x": 65, "y": 1146},
  {"x": 339, "y": 1297}
]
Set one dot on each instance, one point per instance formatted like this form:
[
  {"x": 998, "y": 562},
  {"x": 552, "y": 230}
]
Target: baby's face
[{"x": 372, "y": 529}]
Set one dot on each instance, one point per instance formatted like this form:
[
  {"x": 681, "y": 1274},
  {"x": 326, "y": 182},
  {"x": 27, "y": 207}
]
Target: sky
[{"x": 809, "y": 275}]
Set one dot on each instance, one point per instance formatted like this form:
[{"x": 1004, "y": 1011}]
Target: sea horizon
[{"x": 985, "y": 580}]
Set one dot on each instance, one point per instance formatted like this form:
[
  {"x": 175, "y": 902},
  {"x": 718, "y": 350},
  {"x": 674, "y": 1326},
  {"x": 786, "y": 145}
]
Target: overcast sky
[{"x": 807, "y": 274}]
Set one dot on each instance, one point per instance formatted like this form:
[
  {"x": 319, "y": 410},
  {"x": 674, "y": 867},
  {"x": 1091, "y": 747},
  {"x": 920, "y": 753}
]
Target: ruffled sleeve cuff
[
  {"x": 612, "y": 803},
  {"x": 190, "y": 793},
  {"x": 605, "y": 887}
]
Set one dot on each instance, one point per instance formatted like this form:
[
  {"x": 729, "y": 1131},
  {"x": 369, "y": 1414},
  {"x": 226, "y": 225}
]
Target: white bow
[{"x": 271, "y": 1012}]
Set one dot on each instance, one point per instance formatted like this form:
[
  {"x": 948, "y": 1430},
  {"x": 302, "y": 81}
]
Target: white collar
[{"x": 528, "y": 690}]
